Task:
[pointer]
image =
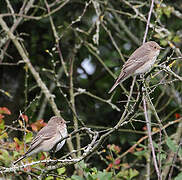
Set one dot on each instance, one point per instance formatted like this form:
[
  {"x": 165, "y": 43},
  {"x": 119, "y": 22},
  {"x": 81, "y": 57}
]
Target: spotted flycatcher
[
  {"x": 48, "y": 137},
  {"x": 139, "y": 62}
]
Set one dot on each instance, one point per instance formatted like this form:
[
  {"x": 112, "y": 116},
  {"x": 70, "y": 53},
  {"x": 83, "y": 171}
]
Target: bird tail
[
  {"x": 120, "y": 79},
  {"x": 113, "y": 87},
  {"x": 19, "y": 159}
]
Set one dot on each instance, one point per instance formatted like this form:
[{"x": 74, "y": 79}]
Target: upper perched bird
[
  {"x": 139, "y": 62},
  {"x": 48, "y": 137}
]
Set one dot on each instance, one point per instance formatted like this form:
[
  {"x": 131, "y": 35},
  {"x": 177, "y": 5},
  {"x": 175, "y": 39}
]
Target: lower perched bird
[
  {"x": 48, "y": 137},
  {"x": 139, "y": 62}
]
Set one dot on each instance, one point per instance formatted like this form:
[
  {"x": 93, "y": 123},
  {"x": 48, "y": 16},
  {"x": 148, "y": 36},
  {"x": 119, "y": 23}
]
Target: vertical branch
[
  {"x": 148, "y": 21},
  {"x": 145, "y": 105},
  {"x": 159, "y": 152},
  {"x": 24, "y": 127},
  {"x": 56, "y": 40},
  {"x": 150, "y": 136},
  {"x": 51, "y": 89},
  {"x": 72, "y": 100},
  {"x": 148, "y": 159},
  {"x": 69, "y": 142},
  {"x": 26, "y": 85},
  {"x": 155, "y": 112},
  {"x": 11, "y": 9},
  {"x": 124, "y": 116},
  {"x": 129, "y": 97},
  {"x": 75, "y": 120}
]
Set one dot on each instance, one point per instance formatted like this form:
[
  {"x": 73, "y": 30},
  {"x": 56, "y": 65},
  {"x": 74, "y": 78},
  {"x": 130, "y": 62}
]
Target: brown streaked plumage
[
  {"x": 139, "y": 62},
  {"x": 48, "y": 137}
]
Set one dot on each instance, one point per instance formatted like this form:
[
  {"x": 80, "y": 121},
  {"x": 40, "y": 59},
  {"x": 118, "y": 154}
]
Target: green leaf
[
  {"x": 163, "y": 42},
  {"x": 140, "y": 145},
  {"x": 104, "y": 175},
  {"x": 156, "y": 146},
  {"x": 2, "y": 125},
  {"x": 75, "y": 177},
  {"x": 15, "y": 153},
  {"x": 4, "y": 135},
  {"x": 176, "y": 39},
  {"x": 123, "y": 174},
  {"x": 172, "y": 146},
  {"x": 133, "y": 173},
  {"x": 61, "y": 170},
  {"x": 140, "y": 153},
  {"x": 87, "y": 170},
  {"x": 159, "y": 12},
  {"x": 161, "y": 156},
  {"x": 28, "y": 137},
  {"x": 49, "y": 178},
  {"x": 82, "y": 164},
  {"x": 168, "y": 10},
  {"x": 94, "y": 170},
  {"x": 179, "y": 176},
  {"x": 128, "y": 174},
  {"x": 5, "y": 156},
  {"x": 91, "y": 176}
]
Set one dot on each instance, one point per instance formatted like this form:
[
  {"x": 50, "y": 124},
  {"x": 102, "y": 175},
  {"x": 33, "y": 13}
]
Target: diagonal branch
[{"x": 23, "y": 54}]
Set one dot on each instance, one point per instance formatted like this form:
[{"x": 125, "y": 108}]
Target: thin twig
[
  {"x": 150, "y": 137},
  {"x": 148, "y": 21}
]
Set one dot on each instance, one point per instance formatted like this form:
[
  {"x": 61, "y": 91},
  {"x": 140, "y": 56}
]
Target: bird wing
[
  {"x": 129, "y": 68},
  {"x": 137, "y": 59},
  {"x": 44, "y": 134}
]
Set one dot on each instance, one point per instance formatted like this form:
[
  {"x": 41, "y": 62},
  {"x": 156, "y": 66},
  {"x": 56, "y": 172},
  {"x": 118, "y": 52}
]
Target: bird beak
[
  {"x": 67, "y": 122},
  {"x": 161, "y": 48}
]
